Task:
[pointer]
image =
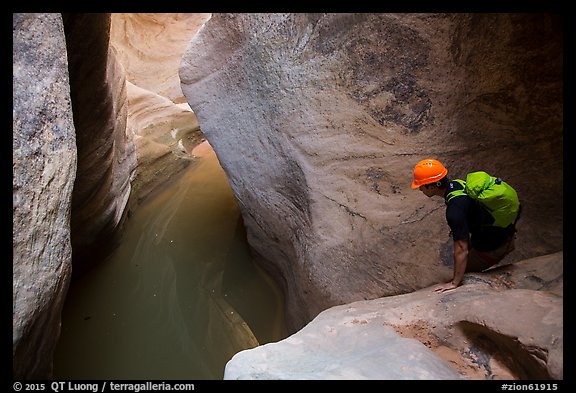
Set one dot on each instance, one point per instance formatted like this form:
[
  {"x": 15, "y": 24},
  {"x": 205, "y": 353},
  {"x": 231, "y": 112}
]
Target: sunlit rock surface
[
  {"x": 150, "y": 47},
  {"x": 164, "y": 134},
  {"x": 319, "y": 119},
  {"x": 162, "y": 125}
]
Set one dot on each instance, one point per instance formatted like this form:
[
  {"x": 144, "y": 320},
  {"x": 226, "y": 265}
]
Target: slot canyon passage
[
  {"x": 178, "y": 297},
  {"x": 317, "y": 121}
]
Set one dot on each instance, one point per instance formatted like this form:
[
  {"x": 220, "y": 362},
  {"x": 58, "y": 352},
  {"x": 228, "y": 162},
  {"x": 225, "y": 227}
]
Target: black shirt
[{"x": 468, "y": 219}]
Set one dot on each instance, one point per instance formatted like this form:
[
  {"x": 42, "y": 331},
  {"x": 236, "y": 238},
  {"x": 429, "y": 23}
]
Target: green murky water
[{"x": 180, "y": 295}]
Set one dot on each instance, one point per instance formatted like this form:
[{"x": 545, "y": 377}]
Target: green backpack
[{"x": 497, "y": 196}]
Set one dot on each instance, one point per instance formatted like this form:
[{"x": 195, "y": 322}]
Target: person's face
[{"x": 427, "y": 189}]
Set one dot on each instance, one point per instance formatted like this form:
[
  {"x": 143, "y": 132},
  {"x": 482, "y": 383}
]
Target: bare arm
[{"x": 460, "y": 260}]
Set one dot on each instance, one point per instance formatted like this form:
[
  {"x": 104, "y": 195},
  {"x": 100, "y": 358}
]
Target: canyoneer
[{"x": 481, "y": 211}]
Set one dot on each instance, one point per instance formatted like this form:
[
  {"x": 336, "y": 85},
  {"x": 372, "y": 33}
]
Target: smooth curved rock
[
  {"x": 164, "y": 134},
  {"x": 43, "y": 173},
  {"x": 318, "y": 120},
  {"x": 106, "y": 153},
  {"x": 65, "y": 62},
  {"x": 503, "y": 324},
  {"x": 162, "y": 125},
  {"x": 150, "y": 47},
  {"x": 333, "y": 347}
]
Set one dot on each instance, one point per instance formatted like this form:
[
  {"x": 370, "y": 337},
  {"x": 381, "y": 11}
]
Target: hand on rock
[{"x": 445, "y": 287}]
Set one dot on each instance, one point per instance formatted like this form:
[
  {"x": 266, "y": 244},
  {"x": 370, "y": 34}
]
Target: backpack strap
[{"x": 456, "y": 191}]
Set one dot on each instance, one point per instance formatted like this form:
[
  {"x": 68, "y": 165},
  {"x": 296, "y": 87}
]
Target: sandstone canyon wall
[
  {"x": 43, "y": 172},
  {"x": 161, "y": 124},
  {"x": 503, "y": 324},
  {"x": 63, "y": 70},
  {"x": 318, "y": 121},
  {"x": 72, "y": 182},
  {"x": 106, "y": 152},
  {"x": 150, "y": 47}
]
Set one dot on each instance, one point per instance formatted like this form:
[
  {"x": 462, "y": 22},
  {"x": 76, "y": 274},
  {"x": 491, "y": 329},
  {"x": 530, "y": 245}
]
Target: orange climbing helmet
[{"x": 428, "y": 171}]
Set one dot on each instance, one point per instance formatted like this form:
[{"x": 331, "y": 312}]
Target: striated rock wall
[
  {"x": 43, "y": 173},
  {"x": 75, "y": 158},
  {"x": 164, "y": 134},
  {"x": 150, "y": 47},
  {"x": 162, "y": 125},
  {"x": 106, "y": 152},
  {"x": 318, "y": 120}
]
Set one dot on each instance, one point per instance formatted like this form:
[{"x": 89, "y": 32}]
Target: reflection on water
[{"x": 179, "y": 297}]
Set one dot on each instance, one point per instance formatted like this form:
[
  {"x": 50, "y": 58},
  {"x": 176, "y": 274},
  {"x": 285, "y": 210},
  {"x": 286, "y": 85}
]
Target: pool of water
[{"x": 179, "y": 296}]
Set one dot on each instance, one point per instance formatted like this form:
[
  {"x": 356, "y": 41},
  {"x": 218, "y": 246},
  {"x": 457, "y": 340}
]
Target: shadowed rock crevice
[
  {"x": 487, "y": 347},
  {"x": 106, "y": 153}
]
